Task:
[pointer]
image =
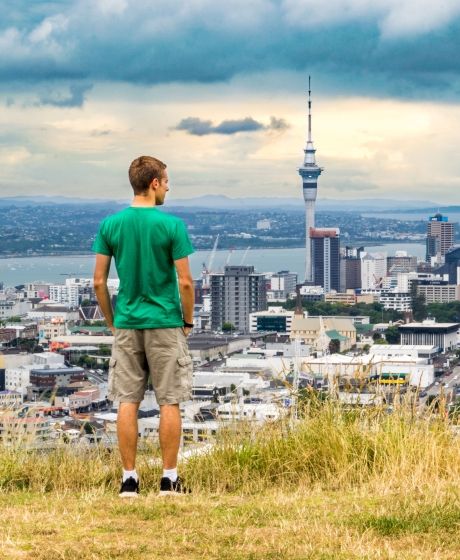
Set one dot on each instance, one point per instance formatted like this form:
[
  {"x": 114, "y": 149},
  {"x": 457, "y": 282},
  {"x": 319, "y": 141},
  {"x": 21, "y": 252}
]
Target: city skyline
[{"x": 77, "y": 103}]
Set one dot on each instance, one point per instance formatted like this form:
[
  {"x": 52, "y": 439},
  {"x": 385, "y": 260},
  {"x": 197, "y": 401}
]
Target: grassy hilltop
[{"x": 337, "y": 485}]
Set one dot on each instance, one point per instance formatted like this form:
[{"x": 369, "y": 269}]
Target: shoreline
[{"x": 261, "y": 248}]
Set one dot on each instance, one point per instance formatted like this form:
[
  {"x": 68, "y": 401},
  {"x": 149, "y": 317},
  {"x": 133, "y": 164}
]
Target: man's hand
[
  {"x": 112, "y": 328},
  {"x": 101, "y": 273},
  {"x": 187, "y": 330}
]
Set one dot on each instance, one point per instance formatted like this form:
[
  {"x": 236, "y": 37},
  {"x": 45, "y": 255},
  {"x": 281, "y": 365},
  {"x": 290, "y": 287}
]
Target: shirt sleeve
[
  {"x": 101, "y": 244},
  {"x": 181, "y": 245}
]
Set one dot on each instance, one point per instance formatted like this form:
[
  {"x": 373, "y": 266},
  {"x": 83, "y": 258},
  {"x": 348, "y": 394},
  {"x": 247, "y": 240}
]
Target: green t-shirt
[{"x": 145, "y": 242}]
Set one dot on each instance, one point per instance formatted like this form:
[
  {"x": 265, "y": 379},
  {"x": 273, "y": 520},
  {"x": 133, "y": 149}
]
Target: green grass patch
[{"x": 427, "y": 519}]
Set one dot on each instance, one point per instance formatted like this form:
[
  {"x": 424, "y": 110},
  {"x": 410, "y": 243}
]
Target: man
[{"x": 151, "y": 321}]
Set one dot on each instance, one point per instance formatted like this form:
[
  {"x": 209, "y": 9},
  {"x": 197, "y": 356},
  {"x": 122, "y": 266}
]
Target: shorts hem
[{"x": 173, "y": 401}]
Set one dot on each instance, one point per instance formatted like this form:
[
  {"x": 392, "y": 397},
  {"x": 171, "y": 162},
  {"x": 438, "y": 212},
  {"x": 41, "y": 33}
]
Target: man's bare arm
[
  {"x": 101, "y": 273},
  {"x": 187, "y": 295}
]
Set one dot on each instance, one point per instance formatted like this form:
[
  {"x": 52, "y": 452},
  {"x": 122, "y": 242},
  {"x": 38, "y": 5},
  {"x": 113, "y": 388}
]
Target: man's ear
[{"x": 154, "y": 184}]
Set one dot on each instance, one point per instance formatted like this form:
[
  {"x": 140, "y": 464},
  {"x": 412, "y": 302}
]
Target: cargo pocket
[
  {"x": 186, "y": 376},
  {"x": 111, "y": 385}
]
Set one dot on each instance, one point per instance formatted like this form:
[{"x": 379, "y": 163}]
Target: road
[{"x": 445, "y": 383}]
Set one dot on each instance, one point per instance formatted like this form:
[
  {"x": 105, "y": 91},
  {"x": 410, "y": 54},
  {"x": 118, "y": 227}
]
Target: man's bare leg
[
  {"x": 170, "y": 432},
  {"x": 127, "y": 434}
]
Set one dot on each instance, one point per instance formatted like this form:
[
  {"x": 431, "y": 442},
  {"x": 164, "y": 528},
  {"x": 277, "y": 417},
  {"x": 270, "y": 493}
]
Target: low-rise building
[
  {"x": 28, "y": 430},
  {"x": 84, "y": 398},
  {"x": 337, "y": 370},
  {"x": 10, "y": 399},
  {"x": 258, "y": 412},
  {"x": 418, "y": 352},
  {"x": 399, "y": 301},
  {"x": 429, "y": 332},
  {"x": 13, "y": 308},
  {"x": 48, "y": 330},
  {"x": 345, "y": 298},
  {"x": 309, "y": 329},
  {"x": 17, "y": 372},
  {"x": 206, "y": 348},
  {"x": 274, "y": 319},
  {"x": 439, "y": 291},
  {"x": 48, "y": 311}
]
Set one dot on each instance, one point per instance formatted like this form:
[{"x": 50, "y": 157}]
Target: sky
[{"x": 218, "y": 91}]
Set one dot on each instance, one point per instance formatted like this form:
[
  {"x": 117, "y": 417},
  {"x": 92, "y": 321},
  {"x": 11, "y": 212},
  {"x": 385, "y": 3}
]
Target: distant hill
[
  {"x": 222, "y": 202},
  {"x": 430, "y": 210}
]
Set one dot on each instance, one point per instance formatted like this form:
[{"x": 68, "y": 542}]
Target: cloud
[
  {"x": 199, "y": 127},
  {"x": 75, "y": 96},
  {"x": 394, "y": 18},
  {"x": 392, "y": 47}
]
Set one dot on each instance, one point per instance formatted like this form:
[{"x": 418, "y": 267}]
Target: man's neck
[{"x": 144, "y": 201}]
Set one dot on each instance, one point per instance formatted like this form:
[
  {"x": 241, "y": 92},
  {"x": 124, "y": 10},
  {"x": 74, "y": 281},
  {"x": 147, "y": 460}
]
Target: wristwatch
[{"x": 188, "y": 325}]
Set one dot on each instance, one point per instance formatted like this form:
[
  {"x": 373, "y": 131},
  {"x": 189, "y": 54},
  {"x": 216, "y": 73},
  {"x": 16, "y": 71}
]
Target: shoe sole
[{"x": 128, "y": 495}]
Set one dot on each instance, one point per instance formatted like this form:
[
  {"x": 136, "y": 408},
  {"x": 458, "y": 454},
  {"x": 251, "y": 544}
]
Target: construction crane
[
  {"x": 207, "y": 269},
  {"x": 244, "y": 256},
  {"x": 213, "y": 254},
  {"x": 378, "y": 281},
  {"x": 228, "y": 257}
]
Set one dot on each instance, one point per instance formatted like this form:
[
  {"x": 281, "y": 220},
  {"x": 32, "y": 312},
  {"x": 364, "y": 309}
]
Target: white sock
[
  {"x": 130, "y": 474},
  {"x": 171, "y": 474}
]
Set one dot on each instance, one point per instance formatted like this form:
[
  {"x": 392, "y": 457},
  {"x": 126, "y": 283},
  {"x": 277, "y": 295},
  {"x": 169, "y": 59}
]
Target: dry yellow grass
[
  {"x": 338, "y": 485},
  {"x": 303, "y": 524}
]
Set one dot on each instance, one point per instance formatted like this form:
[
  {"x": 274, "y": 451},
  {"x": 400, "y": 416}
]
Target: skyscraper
[
  {"x": 373, "y": 270},
  {"x": 236, "y": 293},
  {"x": 325, "y": 244},
  {"x": 309, "y": 173},
  {"x": 439, "y": 236}
]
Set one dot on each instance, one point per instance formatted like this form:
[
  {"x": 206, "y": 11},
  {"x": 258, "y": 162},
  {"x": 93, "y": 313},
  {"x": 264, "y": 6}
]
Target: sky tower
[{"x": 309, "y": 173}]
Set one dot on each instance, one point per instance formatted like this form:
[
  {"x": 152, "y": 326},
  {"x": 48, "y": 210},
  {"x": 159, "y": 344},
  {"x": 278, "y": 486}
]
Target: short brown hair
[{"x": 143, "y": 170}]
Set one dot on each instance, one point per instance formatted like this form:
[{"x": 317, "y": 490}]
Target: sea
[{"x": 22, "y": 270}]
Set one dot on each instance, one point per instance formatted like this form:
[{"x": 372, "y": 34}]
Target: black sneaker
[
  {"x": 168, "y": 487},
  {"x": 129, "y": 488}
]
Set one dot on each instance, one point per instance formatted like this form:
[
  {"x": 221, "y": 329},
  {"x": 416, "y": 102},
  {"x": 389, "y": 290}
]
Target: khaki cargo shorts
[{"x": 161, "y": 354}]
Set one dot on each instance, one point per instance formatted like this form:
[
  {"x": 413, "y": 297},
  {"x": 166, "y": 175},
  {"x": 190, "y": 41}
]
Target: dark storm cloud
[
  {"x": 199, "y": 127},
  {"x": 375, "y": 50}
]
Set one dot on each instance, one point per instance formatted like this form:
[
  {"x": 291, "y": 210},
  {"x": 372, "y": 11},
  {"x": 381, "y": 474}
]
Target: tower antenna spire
[
  {"x": 309, "y": 173},
  {"x": 309, "y": 108}
]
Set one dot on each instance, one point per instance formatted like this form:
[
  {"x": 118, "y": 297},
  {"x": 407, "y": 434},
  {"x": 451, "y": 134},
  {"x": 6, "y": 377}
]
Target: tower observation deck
[{"x": 309, "y": 173}]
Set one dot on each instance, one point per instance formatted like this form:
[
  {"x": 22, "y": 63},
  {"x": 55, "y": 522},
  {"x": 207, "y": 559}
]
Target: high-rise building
[
  {"x": 325, "y": 245},
  {"x": 283, "y": 283},
  {"x": 309, "y": 173},
  {"x": 235, "y": 293},
  {"x": 350, "y": 269},
  {"x": 401, "y": 263},
  {"x": 451, "y": 268},
  {"x": 66, "y": 294},
  {"x": 439, "y": 236},
  {"x": 373, "y": 270}
]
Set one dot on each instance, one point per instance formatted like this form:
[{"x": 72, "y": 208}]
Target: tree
[
  {"x": 104, "y": 350},
  {"x": 334, "y": 346},
  {"x": 228, "y": 327},
  {"x": 419, "y": 310},
  {"x": 393, "y": 335},
  {"x": 89, "y": 428},
  {"x": 375, "y": 311},
  {"x": 376, "y": 336}
]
